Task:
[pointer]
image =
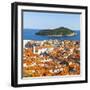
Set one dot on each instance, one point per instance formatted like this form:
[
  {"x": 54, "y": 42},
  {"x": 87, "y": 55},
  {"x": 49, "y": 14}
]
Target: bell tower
[{"x": 34, "y": 49}]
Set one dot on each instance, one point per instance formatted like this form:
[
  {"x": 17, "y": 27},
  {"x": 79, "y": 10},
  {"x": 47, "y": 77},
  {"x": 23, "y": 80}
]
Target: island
[{"x": 61, "y": 31}]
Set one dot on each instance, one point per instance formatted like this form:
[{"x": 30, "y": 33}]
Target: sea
[{"x": 29, "y": 34}]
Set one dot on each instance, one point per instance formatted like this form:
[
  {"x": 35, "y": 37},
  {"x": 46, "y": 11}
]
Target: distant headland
[{"x": 57, "y": 32}]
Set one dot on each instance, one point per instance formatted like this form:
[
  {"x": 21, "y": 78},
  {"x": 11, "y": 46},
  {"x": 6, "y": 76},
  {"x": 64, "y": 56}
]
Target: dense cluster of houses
[{"x": 51, "y": 58}]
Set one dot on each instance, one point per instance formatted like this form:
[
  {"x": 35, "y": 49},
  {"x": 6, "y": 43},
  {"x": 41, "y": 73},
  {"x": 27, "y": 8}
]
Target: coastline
[{"x": 73, "y": 34}]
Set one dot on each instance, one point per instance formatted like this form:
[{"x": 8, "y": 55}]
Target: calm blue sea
[{"x": 29, "y": 34}]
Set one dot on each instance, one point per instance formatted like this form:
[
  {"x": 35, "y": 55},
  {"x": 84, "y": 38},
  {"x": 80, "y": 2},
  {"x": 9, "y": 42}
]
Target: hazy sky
[{"x": 43, "y": 20}]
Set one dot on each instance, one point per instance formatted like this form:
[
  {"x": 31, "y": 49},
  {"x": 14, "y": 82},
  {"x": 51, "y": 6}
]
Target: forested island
[{"x": 61, "y": 31}]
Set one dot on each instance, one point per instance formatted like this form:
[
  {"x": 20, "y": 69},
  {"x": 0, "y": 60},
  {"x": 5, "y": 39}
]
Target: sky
[{"x": 44, "y": 20}]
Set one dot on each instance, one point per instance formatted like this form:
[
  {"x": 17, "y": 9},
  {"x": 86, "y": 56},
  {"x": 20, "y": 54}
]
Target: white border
[{"x": 82, "y": 47}]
